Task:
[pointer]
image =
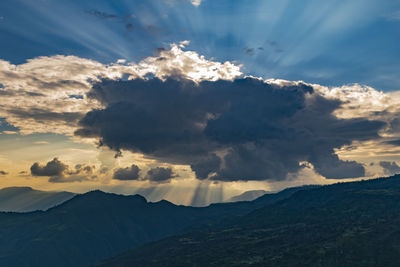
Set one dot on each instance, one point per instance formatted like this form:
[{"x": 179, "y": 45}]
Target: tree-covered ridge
[
  {"x": 347, "y": 224},
  {"x": 98, "y": 225}
]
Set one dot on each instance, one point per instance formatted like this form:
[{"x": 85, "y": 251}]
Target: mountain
[
  {"x": 25, "y": 199},
  {"x": 248, "y": 196},
  {"x": 346, "y": 224},
  {"x": 98, "y": 225}
]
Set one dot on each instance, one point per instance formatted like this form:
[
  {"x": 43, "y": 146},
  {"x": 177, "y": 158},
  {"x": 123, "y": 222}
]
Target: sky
[{"x": 195, "y": 101}]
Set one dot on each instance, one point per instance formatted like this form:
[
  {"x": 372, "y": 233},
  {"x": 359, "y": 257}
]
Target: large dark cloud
[
  {"x": 244, "y": 129},
  {"x": 128, "y": 173}
]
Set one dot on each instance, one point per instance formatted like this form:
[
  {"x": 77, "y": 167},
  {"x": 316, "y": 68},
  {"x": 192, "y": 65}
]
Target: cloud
[
  {"x": 249, "y": 50},
  {"x": 52, "y": 168},
  {"x": 3, "y": 172},
  {"x": 390, "y": 168},
  {"x": 159, "y": 175},
  {"x": 9, "y": 132},
  {"x": 129, "y": 23},
  {"x": 41, "y": 143},
  {"x": 128, "y": 173},
  {"x": 393, "y": 142},
  {"x": 156, "y": 175},
  {"x": 244, "y": 129},
  {"x": 100, "y": 14},
  {"x": 57, "y": 85},
  {"x": 59, "y": 172},
  {"x": 188, "y": 65},
  {"x": 126, "y": 20},
  {"x": 193, "y": 2},
  {"x": 269, "y": 46},
  {"x": 181, "y": 108},
  {"x": 196, "y": 2}
]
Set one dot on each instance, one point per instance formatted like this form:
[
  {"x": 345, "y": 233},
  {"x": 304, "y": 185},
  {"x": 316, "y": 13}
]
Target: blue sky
[{"x": 327, "y": 42}]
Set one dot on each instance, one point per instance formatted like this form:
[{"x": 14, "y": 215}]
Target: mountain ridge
[
  {"x": 97, "y": 225},
  {"x": 248, "y": 195},
  {"x": 344, "y": 224},
  {"x": 27, "y": 199}
]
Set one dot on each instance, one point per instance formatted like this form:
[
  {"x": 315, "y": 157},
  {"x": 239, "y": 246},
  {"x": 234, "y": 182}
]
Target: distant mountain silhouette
[
  {"x": 346, "y": 224},
  {"x": 98, "y": 225},
  {"x": 248, "y": 196},
  {"x": 25, "y": 199}
]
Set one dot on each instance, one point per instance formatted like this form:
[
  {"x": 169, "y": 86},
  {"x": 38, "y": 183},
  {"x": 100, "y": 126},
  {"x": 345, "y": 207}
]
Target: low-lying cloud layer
[{"x": 179, "y": 108}]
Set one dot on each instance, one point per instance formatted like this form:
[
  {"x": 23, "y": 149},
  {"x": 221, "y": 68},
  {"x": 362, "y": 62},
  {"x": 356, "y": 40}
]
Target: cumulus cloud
[
  {"x": 175, "y": 62},
  {"x": 128, "y": 173},
  {"x": 390, "y": 168},
  {"x": 159, "y": 175},
  {"x": 59, "y": 172},
  {"x": 52, "y": 168},
  {"x": 181, "y": 108},
  {"x": 132, "y": 173},
  {"x": 48, "y": 94},
  {"x": 243, "y": 129}
]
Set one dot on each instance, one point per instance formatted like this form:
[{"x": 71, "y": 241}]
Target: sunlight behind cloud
[{"x": 48, "y": 94}]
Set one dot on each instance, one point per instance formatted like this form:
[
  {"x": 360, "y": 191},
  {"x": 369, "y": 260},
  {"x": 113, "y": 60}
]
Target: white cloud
[
  {"x": 187, "y": 64},
  {"x": 196, "y": 2},
  {"x": 48, "y": 94},
  {"x": 359, "y": 101}
]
